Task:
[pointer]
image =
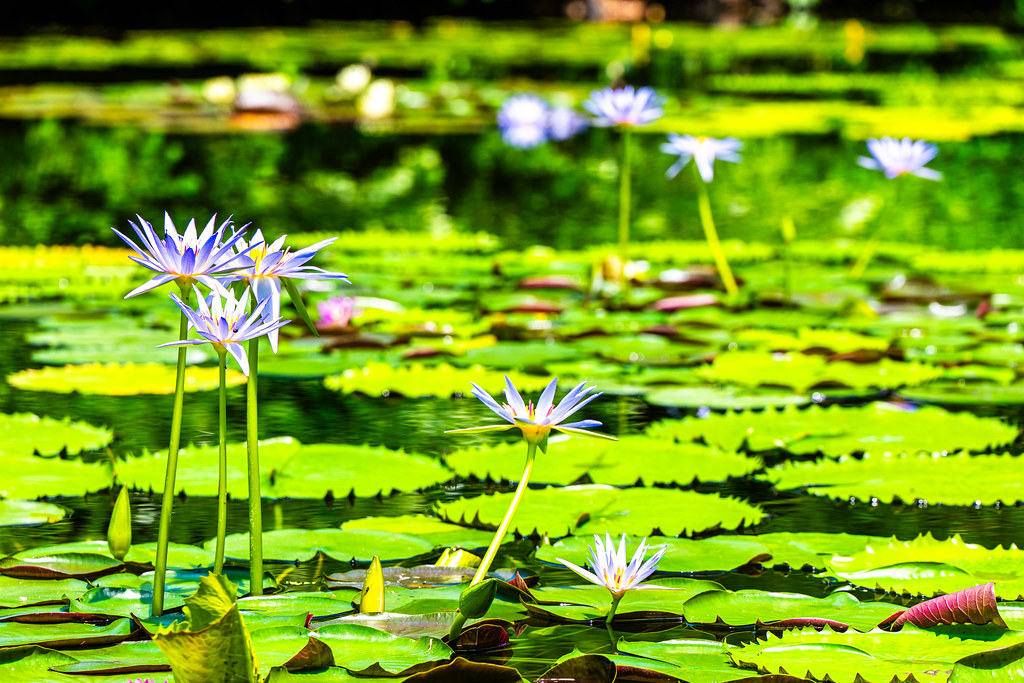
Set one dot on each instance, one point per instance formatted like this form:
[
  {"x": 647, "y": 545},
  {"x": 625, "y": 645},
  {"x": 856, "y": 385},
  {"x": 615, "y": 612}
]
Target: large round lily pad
[
  {"x": 119, "y": 379},
  {"x": 920, "y": 476},
  {"x": 26, "y": 512},
  {"x": 443, "y": 380},
  {"x": 34, "y": 477},
  {"x": 293, "y": 545},
  {"x": 874, "y": 428},
  {"x": 438, "y": 532},
  {"x": 598, "y": 509},
  {"x": 619, "y": 463},
  {"x": 25, "y": 434}
]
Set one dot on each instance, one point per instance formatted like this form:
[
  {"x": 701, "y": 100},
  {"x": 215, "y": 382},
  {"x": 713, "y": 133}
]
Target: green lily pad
[
  {"x": 443, "y": 380},
  {"x": 31, "y": 664},
  {"x": 722, "y": 398},
  {"x": 197, "y": 468},
  {"x": 59, "y": 566},
  {"x": 179, "y": 555},
  {"x": 34, "y": 477},
  {"x": 317, "y": 469},
  {"x": 590, "y": 603},
  {"x": 874, "y": 428},
  {"x": 111, "y": 340},
  {"x": 123, "y": 658},
  {"x": 990, "y": 666},
  {"x": 126, "y": 594},
  {"x": 931, "y": 477},
  {"x": 68, "y": 635},
  {"x": 365, "y": 650},
  {"x": 834, "y": 341},
  {"x": 22, "y": 592},
  {"x": 800, "y": 372},
  {"x": 119, "y": 379},
  {"x": 812, "y": 549},
  {"x": 520, "y": 355},
  {"x": 440, "y": 533},
  {"x": 23, "y": 434},
  {"x": 642, "y": 349},
  {"x": 965, "y": 393},
  {"x": 296, "y": 545},
  {"x": 696, "y": 661},
  {"x": 747, "y": 607},
  {"x": 585, "y": 510},
  {"x": 606, "y": 462},
  {"x": 872, "y": 656},
  {"x": 718, "y": 553},
  {"x": 318, "y": 604},
  {"x": 29, "y": 512}
]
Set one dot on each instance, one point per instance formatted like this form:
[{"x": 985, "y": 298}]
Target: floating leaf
[
  {"x": 23, "y": 434},
  {"x": 367, "y": 651},
  {"x": 991, "y": 666},
  {"x": 698, "y": 661},
  {"x": 119, "y": 379},
  {"x": 34, "y": 477},
  {"x": 67, "y": 635},
  {"x": 748, "y": 607},
  {"x": 22, "y": 593},
  {"x": 722, "y": 398},
  {"x": 29, "y": 512},
  {"x": 585, "y": 510},
  {"x": 316, "y": 469},
  {"x": 930, "y": 477},
  {"x": 379, "y": 379},
  {"x": 874, "y": 428},
  {"x": 969, "y": 606},
  {"x": 965, "y": 393},
  {"x": 440, "y": 533},
  {"x": 294, "y": 545},
  {"x": 591, "y": 603},
  {"x": 62, "y": 566},
  {"x": 28, "y": 664},
  {"x": 620, "y": 463}
]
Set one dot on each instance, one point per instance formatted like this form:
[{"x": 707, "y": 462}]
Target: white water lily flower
[
  {"x": 703, "y": 151},
  {"x": 900, "y": 157},
  {"x": 610, "y": 568}
]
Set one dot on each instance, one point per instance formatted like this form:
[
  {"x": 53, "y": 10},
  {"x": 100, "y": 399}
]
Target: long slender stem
[
  {"x": 624, "y": 207},
  {"x": 616, "y": 599},
  {"x": 222, "y": 486},
  {"x": 492, "y": 550},
  {"x": 164, "y": 534},
  {"x": 861, "y": 265},
  {"x": 255, "y": 499},
  {"x": 485, "y": 564},
  {"x": 708, "y": 223}
]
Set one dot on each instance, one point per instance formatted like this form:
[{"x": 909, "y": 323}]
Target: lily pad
[
  {"x": 722, "y": 398},
  {"x": 317, "y": 469},
  {"x": 873, "y": 656},
  {"x": 591, "y": 603},
  {"x": 930, "y": 477},
  {"x": 119, "y": 379},
  {"x": 28, "y": 512},
  {"x": 965, "y": 393},
  {"x": 23, "y": 593},
  {"x": 35, "y": 477},
  {"x": 68, "y": 635},
  {"x": 365, "y": 650},
  {"x": 179, "y": 555},
  {"x": 585, "y": 510},
  {"x": 24, "y": 434},
  {"x": 296, "y": 545},
  {"x": 443, "y": 380},
  {"x": 440, "y": 533},
  {"x": 619, "y": 463},
  {"x": 800, "y": 372},
  {"x": 697, "y": 661},
  {"x": 747, "y": 607},
  {"x": 718, "y": 553},
  {"x": 874, "y": 428}
]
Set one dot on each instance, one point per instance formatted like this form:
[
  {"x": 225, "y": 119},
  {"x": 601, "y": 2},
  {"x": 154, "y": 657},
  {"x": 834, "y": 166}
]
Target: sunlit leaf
[{"x": 118, "y": 379}]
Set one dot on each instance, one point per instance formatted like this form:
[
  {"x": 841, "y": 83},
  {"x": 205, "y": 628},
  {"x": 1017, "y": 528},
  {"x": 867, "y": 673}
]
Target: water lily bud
[
  {"x": 119, "y": 533},
  {"x": 788, "y": 230},
  {"x": 371, "y": 601},
  {"x": 476, "y": 599},
  {"x": 457, "y": 557}
]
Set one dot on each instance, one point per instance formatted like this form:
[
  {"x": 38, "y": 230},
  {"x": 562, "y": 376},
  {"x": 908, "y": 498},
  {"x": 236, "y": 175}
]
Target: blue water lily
[
  {"x": 269, "y": 263},
  {"x": 703, "y": 151},
  {"x": 187, "y": 257},
  {"x": 223, "y": 322},
  {"x": 610, "y": 567},
  {"x": 625, "y": 106},
  {"x": 536, "y": 422},
  {"x": 523, "y": 120},
  {"x": 900, "y": 157}
]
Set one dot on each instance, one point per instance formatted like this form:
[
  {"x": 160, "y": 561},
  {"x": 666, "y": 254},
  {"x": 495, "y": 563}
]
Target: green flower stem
[
  {"x": 222, "y": 487},
  {"x": 164, "y": 534},
  {"x": 704, "y": 205},
  {"x": 861, "y": 265},
  {"x": 624, "y": 206},
  {"x": 616, "y": 599},
  {"x": 255, "y": 499},
  {"x": 492, "y": 550}
]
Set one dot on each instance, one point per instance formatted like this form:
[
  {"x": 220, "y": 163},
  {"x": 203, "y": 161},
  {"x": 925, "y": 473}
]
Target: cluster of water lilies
[
  {"x": 522, "y": 122},
  {"x": 220, "y": 259}
]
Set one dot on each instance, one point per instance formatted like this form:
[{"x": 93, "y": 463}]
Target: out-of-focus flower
[
  {"x": 336, "y": 311},
  {"x": 900, "y": 157},
  {"x": 353, "y": 79},
  {"x": 378, "y": 101},
  {"x": 610, "y": 567},
  {"x": 564, "y": 123},
  {"x": 270, "y": 263},
  {"x": 523, "y": 120},
  {"x": 222, "y": 321},
  {"x": 219, "y": 90},
  {"x": 185, "y": 258},
  {"x": 536, "y": 422},
  {"x": 625, "y": 106},
  {"x": 703, "y": 151}
]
